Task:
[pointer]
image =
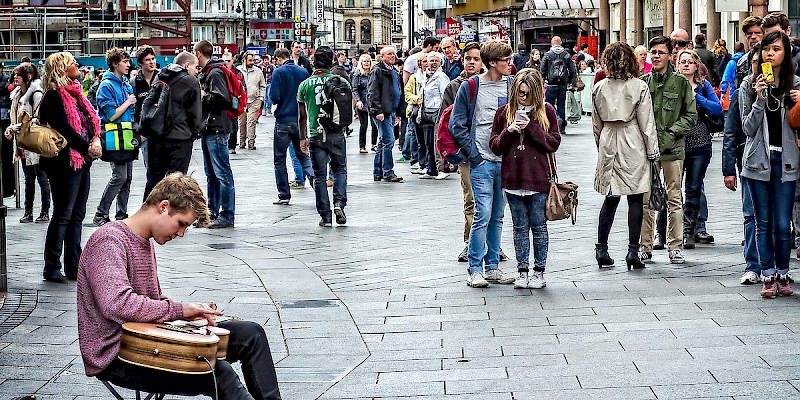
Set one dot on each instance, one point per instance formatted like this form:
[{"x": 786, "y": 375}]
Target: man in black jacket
[
  {"x": 146, "y": 59},
  {"x": 172, "y": 152},
  {"x": 216, "y": 99},
  {"x": 383, "y": 97},
  {"x": 299, "y": 58}
]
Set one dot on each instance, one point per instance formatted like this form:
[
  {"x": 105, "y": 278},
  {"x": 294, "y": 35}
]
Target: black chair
[{"x": 154, "y": 396}]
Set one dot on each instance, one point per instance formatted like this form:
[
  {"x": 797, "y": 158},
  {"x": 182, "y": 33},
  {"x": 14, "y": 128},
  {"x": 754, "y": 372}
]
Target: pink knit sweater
[{"x": 117, "y": 283}]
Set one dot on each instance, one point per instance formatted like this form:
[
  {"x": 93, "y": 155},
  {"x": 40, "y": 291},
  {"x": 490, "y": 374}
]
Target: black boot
[
  {"x": 601, "y": 254},
  {"x": 688, "y": 241},
  {"x": 632, "y": 259},
  {"x": 689, "y": 222}
]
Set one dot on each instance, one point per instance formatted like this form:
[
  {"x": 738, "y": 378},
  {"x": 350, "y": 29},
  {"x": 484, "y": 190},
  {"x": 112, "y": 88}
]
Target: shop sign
[
  {"x": 732, "y": 5},
  {"x": 655, "y": 10},
  {"x": 454, "y": 28},
  {"x": 319, "y": 11}
]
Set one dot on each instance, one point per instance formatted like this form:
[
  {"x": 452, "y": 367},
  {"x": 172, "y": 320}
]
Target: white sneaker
[
  {"x": 497, "y": 276},
  {"x": 426, "y": 176},
  {"x": 522, "y": 281},
  {"x": 420, "y": 171},
  {"x": 536, "y": 280},
  {"x": 442, "y": 176},
  {"x": 749, "y": 278},
  {"x": 676, "y": 256},
  {"x": 476, "y": 279}
]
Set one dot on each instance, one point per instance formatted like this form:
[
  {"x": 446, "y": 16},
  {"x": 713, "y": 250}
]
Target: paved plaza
[{"x": 380, "y": 308}]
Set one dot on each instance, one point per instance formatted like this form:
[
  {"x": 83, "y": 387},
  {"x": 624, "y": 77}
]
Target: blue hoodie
[
  {"x": 110, "y": 95},
  {"x": 729, "y": 77},
  {"x": 283, "y": 92}
]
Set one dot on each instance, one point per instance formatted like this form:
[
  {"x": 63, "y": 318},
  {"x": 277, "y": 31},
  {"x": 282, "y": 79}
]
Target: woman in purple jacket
[{"x": 525, "y": 133}]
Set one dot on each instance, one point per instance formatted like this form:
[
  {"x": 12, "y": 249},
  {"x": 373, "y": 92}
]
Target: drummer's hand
[{"x": 197, "y": 311}]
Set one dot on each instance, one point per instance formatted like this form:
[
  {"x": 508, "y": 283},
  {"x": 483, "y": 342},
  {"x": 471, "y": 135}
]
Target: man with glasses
[
  {"x": 452, "y": 66},
  {"x": 559, "y": 71},
  {"x": 675, "y": 113}
]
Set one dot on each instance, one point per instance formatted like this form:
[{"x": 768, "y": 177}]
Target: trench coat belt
[{"x": 619, "y": 124}]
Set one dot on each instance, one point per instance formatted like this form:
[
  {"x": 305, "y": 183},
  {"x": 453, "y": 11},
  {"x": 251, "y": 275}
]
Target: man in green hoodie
[{"x": 675, "y": 113}]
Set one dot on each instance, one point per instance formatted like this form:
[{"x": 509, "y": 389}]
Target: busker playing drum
[{"x": 117, "y": 283}]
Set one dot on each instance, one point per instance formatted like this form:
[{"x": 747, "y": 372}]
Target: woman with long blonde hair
[
  {"x": 360, "y": 83},
  {"x": 525, "y": 134},
  {"x": 69, "y": 113}
]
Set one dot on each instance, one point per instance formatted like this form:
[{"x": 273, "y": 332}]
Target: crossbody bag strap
[{"x": 551, "y": 163}]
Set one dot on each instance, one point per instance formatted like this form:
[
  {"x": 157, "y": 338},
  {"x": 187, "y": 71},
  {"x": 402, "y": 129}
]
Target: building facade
[{"x": 368, "y": 25}]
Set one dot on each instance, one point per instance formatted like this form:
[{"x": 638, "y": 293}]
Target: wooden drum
[{"x": 170, "y": 349}]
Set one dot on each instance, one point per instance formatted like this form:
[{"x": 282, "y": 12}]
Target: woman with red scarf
[{"x": 68, "y": 111}]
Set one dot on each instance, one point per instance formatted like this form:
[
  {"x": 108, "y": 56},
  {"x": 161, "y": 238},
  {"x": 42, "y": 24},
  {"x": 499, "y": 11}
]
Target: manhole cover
[
  {"x": 229, "y": 246},
  {"x": 308, "y": 304}
]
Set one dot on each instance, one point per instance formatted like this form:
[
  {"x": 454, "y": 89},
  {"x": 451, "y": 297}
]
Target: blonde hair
[
  {"x": 361, "y": 59},
  {"x": 639, "y": 50},
  {"x": 55, "y": 70},
  {"x": 696, "y": 77},
  {"x": 184, "y": 195},
  {"x": 533, "y": 79}
]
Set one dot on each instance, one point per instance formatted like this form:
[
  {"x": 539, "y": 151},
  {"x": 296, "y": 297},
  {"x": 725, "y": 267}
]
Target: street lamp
[{"x": 240, "y": 8}]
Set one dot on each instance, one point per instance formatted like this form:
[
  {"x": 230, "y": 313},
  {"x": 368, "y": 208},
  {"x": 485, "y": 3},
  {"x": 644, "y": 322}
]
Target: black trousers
[
  {"x": 32, "y": 174},
  {"x": 247, "y": 343},
  {"x": 165, "y": 156},
  {"x": 70, "y": 190},
  {"x": 234, "y": 137},
  {"x": 363, "y": 117},
  {"x": 430, "y": 139},
  {"x": 635, "y": 214}
]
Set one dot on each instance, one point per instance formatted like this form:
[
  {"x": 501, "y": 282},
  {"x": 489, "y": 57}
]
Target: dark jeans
[
  {"x": 217, "y": 165},
  {"x": 749, "y": 214},
  {"x": 400, "y": 132},
  {"x": 32, "y": 173},
  {"x": 234, "y": 135},
  {"x": 772, "y": 202},
  {"x": 556, "y": 95},
  {"x": 165, "y": 156},
  {"x": 527, "y": 214},
  {"x": 430, "y": 137},
  {"x": 118, "y": 187},
  {"x": 70, "y": 192},
  {"x": 635, "y": 213},
  {"x": 694, "y": 165},
  {"x": 288, "y": 135},
  {"x": 247, "y": 343},
  {"x": 334, "y": 151},
  {"x": 363, "y": 117},
  {"x": 422, "y": 148}
]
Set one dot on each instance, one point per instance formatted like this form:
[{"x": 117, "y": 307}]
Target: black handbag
[
  {"x": 714, "y": 124},
  {"x": 414, "y": 112},
  {"x": 658, "y": 195},
  {"x": 427, "y": 116},
  {"x": 120, "y": 142}
]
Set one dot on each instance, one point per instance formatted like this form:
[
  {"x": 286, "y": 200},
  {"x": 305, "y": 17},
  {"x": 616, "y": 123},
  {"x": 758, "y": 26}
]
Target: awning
[{"x": 561, "y": 4}]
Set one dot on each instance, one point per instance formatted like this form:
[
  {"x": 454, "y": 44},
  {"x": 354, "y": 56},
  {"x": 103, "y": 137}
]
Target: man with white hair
[
  {"x": 559, "y": 71},
  {"x": 384, "y": 101},
  {"x": 452, "y": 65}
]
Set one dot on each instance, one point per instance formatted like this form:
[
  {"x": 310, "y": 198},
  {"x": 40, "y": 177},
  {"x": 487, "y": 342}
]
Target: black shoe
[
  {"x": 503, "y": 256},
  {"x": 341, "y": 218},
  {"x": 658, "y": 244},
  {"x": 27, "y": 218},
  {"x": 601, "y": 255},
  {"x": 688, "y": 242},
  {"x": 55, "y": 277},
  {"x": 100, "y": 220},
  {"x": 43, "y": 217},
  {"x": 325, "y": 223},
  {"x": 703, "y": 238},
  {"x": 632, "y": 259},
  {"x": 394, "y": 179},
  {"x": 220, "y": 224},
  {"x": 121, "y": 217},
  {"x": 377, "y": 178},
  {"x": 464, "y": 256}
]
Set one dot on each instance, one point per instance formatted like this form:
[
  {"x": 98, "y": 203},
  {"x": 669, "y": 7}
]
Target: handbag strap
[{"x": 551, "y": 163}]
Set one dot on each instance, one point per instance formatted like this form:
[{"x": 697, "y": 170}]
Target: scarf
[{"x": 74, "y": 103}]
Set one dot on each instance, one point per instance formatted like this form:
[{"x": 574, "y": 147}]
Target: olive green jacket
[{"x": 675, "y": 111}]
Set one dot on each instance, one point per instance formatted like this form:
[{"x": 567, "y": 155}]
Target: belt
[
  {"x": 775, "y": 148},
  {"x": 620, "y": 124}
]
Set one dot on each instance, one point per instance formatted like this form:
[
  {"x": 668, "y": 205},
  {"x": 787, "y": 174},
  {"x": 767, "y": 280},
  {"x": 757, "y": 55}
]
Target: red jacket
[{"x": 525, "y": 169}]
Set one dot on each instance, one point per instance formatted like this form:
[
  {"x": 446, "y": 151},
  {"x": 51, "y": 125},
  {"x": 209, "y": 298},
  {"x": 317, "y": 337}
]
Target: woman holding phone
[
  {"x": 526, "y": 144},
  {"x": 771, "y": 158},
  {"x": 625, "y": 135}
]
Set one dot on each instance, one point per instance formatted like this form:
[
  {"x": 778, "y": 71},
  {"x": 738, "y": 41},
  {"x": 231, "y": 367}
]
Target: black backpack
[
  {"x": 559, "y": 70},
  {"x": 336, "y": 107},
  {"x": 157, "y": 113}
]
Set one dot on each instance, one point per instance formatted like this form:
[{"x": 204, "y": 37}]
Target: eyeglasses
[
  {"x": 523, "y": 94},
  {"x": 687, "y": 62},
  {"x": 506, "y": 59},
  {"x": 682, "y": 43},
  {"x": 658, "y": 53}
]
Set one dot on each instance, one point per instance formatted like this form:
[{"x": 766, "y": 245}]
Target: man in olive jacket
[{"x": 675, "y": 114}]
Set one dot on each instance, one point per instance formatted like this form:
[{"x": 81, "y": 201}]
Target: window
[
  {"x": 199, "y": 5},
  {"x": 230, "y": 34},
  {"x": 221, "y": 5},
  {"x": 202, "y": 33},
  {"x": 169, "y": 5},
  {"x": 364, "y": 3},
  {"x": 350, "y": 3},
  {"x": 350, "y": 31},
  {"x": 366, "y": 31}
]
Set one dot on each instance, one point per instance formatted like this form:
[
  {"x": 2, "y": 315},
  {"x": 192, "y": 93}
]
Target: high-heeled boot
[
  {"x": 632, "y": 259},
  {"x": 601, "y": 254}
]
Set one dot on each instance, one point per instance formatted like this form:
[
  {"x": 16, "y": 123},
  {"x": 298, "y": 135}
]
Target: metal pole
[{"x": 3, "y": 213}]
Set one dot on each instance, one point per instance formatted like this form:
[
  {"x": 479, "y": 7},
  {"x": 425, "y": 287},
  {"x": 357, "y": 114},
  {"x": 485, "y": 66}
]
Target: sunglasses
[{"x": 682, "y": 43}]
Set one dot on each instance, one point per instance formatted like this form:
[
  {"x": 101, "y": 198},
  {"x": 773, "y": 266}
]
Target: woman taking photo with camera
[
  {"x": 525, "y": 133},
  {"x": 771, "y": 157}
]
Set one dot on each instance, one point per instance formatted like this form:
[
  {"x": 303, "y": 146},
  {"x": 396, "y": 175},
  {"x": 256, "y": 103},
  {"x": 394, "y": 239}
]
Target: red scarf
[{"x": 74, "y": 103}]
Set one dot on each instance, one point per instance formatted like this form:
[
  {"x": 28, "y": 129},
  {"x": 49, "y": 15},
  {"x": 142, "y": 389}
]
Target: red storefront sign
[{"x": 454, "y": 27}]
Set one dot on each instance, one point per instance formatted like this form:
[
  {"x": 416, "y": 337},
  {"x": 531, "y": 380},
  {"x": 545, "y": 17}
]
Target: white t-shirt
[{"x": 411, "y": 64}]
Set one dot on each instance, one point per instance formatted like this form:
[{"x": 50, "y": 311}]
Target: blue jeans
[
  {"x": 221, "y": 198},
  {"x": 556, "y": 95},
  {"x": 749, "y": 214},
  {"x": 695, "y": 166},
  {"x": 702, "y": 217},
  {"x": 333, "y": 152},
  {"x": 299, "y": 175},
  {"x": 267, "y": 100},
  {"x": 384, "y": 164},
  {"x": 286, "y": 137},
  {"x": 527, "y": 213},
  {"x": 410, "y": 148},
  {"x": 772, "y": 202},
  {"x": 487, "y": 225}
]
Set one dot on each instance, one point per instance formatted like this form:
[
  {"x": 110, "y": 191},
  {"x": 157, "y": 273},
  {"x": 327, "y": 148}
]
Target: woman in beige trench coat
[{"x": 625, "y": 134}]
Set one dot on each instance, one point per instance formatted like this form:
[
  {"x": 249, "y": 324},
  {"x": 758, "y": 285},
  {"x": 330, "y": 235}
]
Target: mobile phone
[
  {"x": 521, "y": 114},
  {"x": 766, "y": 70}
]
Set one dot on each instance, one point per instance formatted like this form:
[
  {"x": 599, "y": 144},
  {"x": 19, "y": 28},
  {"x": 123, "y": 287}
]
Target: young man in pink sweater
[{"x": 117, "y": 283}]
